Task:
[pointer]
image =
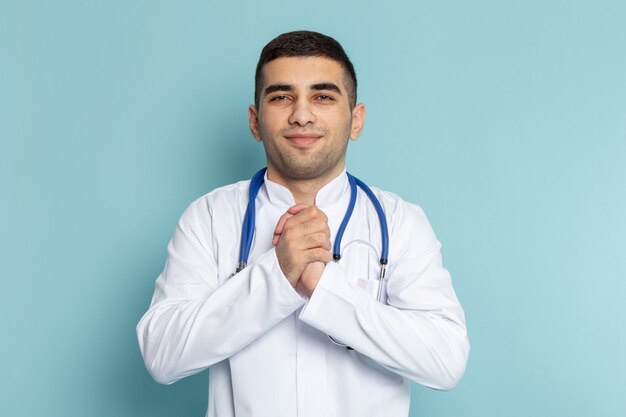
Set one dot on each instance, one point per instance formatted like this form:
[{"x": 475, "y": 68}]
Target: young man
[{"x": 295, "y": 333}]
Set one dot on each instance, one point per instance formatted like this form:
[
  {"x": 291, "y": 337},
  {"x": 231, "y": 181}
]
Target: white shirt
[{"x": 268, "y": 347}]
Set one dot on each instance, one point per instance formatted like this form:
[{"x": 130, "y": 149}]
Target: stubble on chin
[{"x": 299, "y": 166}]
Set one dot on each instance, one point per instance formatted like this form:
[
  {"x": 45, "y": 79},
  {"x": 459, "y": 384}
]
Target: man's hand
[{"x": 302, "y": 240}]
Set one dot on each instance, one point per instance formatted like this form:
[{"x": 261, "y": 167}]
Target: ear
[
  {"x": 253, "y": 119},
  {"x": 358, "y": 119}
]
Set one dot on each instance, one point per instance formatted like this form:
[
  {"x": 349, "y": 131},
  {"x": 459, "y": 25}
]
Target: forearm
[
  {"x": 426, "y": 344},
  {"x": 191, "y": 326}
]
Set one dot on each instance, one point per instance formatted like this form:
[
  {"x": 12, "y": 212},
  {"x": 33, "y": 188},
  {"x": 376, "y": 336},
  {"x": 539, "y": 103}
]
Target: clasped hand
[{"x": 302, "y": 240}]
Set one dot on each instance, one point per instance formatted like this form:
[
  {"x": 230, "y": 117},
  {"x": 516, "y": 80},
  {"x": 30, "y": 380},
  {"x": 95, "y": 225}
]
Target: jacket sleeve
[
  {"x": 193, "y": 322},
  {"x": 419, "y": 333}
]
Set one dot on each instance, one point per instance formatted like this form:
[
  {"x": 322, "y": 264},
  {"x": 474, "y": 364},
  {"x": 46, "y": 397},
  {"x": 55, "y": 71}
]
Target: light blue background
[{"x": 505, "y": 121}]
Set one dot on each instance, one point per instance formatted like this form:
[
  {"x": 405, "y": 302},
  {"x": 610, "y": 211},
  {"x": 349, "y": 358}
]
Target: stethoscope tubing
[
  {"x": 384, "y": 232},
  {"x": 247, "y": 232}
]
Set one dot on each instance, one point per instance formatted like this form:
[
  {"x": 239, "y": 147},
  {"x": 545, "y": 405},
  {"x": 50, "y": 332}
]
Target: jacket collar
[{"x": 328, "y": 195}]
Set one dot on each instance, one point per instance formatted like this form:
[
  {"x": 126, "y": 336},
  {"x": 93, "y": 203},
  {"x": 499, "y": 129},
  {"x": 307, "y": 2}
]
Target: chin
[{"x": 308, "y": 172}]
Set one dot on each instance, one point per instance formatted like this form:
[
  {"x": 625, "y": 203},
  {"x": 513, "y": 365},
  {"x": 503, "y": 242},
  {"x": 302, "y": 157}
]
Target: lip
[{"x": 303, "y": 139}]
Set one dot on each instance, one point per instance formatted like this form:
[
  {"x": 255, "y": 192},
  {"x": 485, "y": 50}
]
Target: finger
[
  {"x": 317, "y": 240},
  {"x": 280, "y": 227},
  {"x": 292, "y": 211},
  {"x": 312, "y": 241},
  {"x": 297, "y": 208},
  {"x": 306, "y": 220},
  {"x": 318, "y": 254},
  {"x": 307, "y": 214},
  {"x": 313, "y": 226}
]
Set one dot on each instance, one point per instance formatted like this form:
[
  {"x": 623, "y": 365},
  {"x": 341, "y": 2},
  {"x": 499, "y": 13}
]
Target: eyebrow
[
  {"x": 287, "y": 87},
  {"x": 326, "y": 86},
  {"x": 278, "y": 87}
]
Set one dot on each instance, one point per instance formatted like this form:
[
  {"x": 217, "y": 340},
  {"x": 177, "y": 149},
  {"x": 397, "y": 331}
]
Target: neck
[{"x": 303, "y": 190}]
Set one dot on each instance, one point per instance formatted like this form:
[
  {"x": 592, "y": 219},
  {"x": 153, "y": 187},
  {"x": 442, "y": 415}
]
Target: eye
[
  {"x": 279, "y": 98},
  {"x": 324, "y": 97}
]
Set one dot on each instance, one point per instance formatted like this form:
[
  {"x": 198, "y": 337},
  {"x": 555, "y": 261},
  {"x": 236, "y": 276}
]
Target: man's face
[{"x": 304, "y": 118}]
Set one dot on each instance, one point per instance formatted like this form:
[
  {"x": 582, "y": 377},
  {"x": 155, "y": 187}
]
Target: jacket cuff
[
  {"x": 276, "y": 274},
  {"x": 332, "y": 293}
]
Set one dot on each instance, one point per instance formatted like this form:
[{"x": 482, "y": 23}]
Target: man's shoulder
[
  {"x": 227, "y": 192},
  {"x": 393, "y": 203},
  {"x": 409, "y": 228},
  {"x": 224, "y": 197}
]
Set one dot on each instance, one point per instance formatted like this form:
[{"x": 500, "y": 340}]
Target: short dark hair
[{"x": 304, "y": 43}]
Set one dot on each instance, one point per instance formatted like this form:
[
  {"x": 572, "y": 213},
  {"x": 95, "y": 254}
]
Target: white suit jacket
[{"x": 268, "y": 347}]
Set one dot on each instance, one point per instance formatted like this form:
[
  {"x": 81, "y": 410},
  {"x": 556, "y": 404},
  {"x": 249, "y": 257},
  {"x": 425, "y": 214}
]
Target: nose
[{"x": 302, "y": 113}]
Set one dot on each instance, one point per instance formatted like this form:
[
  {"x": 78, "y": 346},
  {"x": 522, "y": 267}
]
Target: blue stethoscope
[{"x": 247, "y": 232}]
